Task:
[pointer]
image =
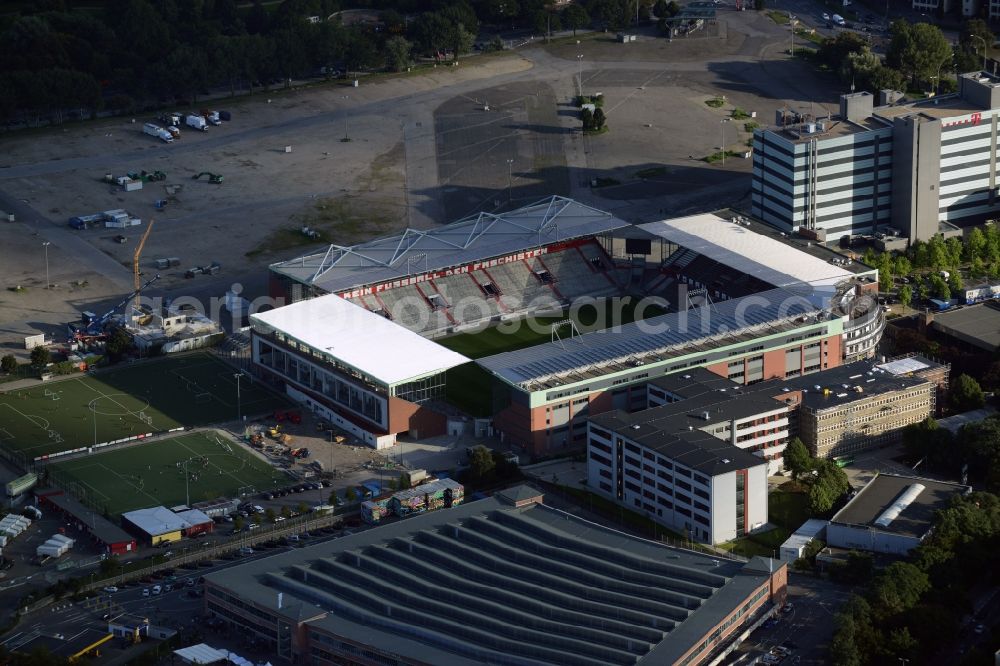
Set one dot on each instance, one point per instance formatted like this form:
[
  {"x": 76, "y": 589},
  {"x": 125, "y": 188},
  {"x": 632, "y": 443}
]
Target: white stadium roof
[
  {"x": 363, "y": 340},
  {"x": 747, "y": 251},
  {"x": 483, "y": 236}
]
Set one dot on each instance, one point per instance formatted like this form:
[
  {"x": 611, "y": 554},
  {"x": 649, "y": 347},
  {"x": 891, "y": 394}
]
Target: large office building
[
  {"x": 502, "y": 580},
  {"x": 697, "y": 460},
  {"x": 908, "y": 170}
]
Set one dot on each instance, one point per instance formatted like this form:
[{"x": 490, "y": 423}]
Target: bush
[
  {"x": 739, "y": 114},
  {"x": 8, "y": 364},
  {"x": 715, "y": 103}
]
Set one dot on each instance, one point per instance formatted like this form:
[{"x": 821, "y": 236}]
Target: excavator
[{"x": 212, "y": 177}]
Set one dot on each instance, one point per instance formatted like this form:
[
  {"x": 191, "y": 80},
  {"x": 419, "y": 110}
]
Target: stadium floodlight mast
[{"x": 239, "y": 410}]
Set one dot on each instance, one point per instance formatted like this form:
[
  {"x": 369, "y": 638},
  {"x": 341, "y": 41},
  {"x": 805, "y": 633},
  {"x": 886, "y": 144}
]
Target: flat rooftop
[
  {"x": 702, "y": 329},
  {"x": 102, "y": 528},
  {"x": 668, "y": 431},
  {"x": 348, "y": 334},
  {"x": 883, "y": 491},
  {"x": 942, "y": 106},
  {"x": 488, "y": 582},
  {"x": 976, "y": 325},
  {"x": 744, "y": 249},
  {"x": 482, "y": 236}
]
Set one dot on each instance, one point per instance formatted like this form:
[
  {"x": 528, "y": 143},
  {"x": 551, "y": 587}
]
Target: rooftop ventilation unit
[{"x": 897, "y": 507}]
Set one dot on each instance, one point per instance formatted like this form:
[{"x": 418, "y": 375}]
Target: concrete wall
[
  {"x": 860, "y": 537},
  {"x": 916, "y": 175}
]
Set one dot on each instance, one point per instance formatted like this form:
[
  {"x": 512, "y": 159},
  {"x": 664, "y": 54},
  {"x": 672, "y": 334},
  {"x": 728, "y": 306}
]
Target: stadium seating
[
  {"x": 469, "y": 304},
  {"x": 575, "y": 277},
  {"x": 521, "y": 288}
]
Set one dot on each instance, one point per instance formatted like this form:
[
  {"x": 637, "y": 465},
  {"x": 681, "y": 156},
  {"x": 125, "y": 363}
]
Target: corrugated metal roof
[
  {"x": 483, "y": 236},
  {"x": 637, "y": 343}
]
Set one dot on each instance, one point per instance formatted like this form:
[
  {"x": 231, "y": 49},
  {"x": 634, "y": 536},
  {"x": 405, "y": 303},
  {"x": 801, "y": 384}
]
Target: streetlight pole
[
  {"x": 723, "y": 124},
  {"x": 579, "y": 78},
  {"x": 510, "y": 165},
  {"x": 187, "y": 488},
  {"x": 239, "y": 410},
  {"x": 46, "y": 246},
  {"x": 984, "y": 50},
  {"x": 346, "y": 137}
]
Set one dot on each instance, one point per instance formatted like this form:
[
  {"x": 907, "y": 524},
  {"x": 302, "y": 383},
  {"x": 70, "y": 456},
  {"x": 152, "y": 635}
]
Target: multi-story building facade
[{"x": 914, "y": 169}]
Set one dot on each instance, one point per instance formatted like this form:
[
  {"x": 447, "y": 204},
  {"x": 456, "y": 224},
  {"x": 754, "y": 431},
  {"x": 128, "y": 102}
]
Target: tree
[
  {"x": 897, "y": 589},
  {"x": 285, "y": 511},
  {"x": 976, "y": 36},
  {"x": 404, "y": 481},
  {"x": 828, "y": 485},
  {"x": 119, "y": 343},
  {"x": 587, "y": 117},
  {"x": 109, "y": 566},
  {"x": 575, "y": 17},
  {"x": 919, "y": 51},
  {"x": 599, "y": 118},
  {"x": 302, "y": 508},
  {"x": 855, "y": 638},
  {"x": 660, "y": 8},
  {"x": 40, "y": 357},
  {"x": 797, "y": 459},
  {"x": 334, "y": 498},
  {"x": 901, "y": 265},
  {"x": 350, "y": 495},
  {"x": 966, "y": 394},
  {"x": 835, "y": 51},
  {"x": 955, "y": 282},
  {"x": 975, "y": 244},
  {"x": 238, "y": 523},
  {"x": 905, "y": 295},
  {"x": 481, "y": 463},
  {"x": 397, "y": 51},
  {"x": 8, "y": 364},
  {"x": 270, "y": 514},
  {"x": 462, "y": 40}
]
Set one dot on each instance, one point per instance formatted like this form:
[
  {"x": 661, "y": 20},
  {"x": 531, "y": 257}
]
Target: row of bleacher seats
[{"x": 463, "y": 299}]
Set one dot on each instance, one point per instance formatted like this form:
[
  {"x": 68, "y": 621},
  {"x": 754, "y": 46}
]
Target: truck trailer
[
  {"x": 153, "y": 129},
  {"x": 197, "y": 122}
]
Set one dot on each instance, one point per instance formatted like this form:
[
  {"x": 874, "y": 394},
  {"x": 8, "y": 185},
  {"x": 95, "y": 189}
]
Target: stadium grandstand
[
  {"x": 486, "y": 268},
  {"x": 502, "y": 580},
  {"x": 741, "y": 299}
]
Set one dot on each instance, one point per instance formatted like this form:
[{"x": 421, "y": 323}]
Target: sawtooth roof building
[{"x": 504, "y": 580}]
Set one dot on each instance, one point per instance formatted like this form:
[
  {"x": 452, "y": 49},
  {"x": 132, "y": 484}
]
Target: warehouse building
[
  {"x": 112, "y": 539},
  {"x": 158, "y": 524},
  {"x": 492, "y": 582},
  {"x": 892, "y": 514},
  {"x": 908, "y": 170}
]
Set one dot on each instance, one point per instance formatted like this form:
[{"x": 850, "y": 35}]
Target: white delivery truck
[
  {"x": 197, "y": 122},
  {"x": 153, "y": 129}
]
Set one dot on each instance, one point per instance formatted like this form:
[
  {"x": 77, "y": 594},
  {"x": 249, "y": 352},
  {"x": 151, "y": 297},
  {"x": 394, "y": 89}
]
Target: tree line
[
  {"x": 58, "y": 59},
  {"x": 918, "y": 57},
  {"x": 913, "y": 610}
]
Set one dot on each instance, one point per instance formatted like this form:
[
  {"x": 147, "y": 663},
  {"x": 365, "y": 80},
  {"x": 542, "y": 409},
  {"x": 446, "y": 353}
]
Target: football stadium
[{"x": 593, "y": 308}]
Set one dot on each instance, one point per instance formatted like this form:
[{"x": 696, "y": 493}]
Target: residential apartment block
[{"x": 899, "y": 169}]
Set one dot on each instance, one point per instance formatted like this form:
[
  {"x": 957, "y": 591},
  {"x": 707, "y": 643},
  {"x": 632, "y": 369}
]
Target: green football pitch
[
  {"x": 470, "y": 388},
  {"x": 152, "y": 473},
  {"x": 122, "y": 403}
]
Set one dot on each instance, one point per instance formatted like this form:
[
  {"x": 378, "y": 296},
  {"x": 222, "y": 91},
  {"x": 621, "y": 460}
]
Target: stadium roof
[
  {"x": 356, "y": 337},
  {"x": 488, "y": 582},
  {"x": 747, "y": 251},
  {"x": 651, "y": 340},
  {"x": 884, "y": 490},
  {"x": 483, "y": 236}
]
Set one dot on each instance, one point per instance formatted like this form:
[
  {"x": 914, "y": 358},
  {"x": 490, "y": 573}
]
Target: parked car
[
  {"x": 157, "y": 589},
  {"x": 145, "y": 592},
  {"x": 111, "y": 589}
]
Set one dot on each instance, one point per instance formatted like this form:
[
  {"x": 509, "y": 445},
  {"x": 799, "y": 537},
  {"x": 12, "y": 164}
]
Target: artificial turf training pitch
[
  {"x": 188, "y": 390},
  {"x": 152, "y": 473}
]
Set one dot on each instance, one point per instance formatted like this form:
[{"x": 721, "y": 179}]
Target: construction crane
[
  {"x": 94, "y": 328},
  {"x": 136, "y": 283}
]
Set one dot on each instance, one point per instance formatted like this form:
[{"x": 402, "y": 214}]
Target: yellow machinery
[{"x": 135, "y": 264}]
